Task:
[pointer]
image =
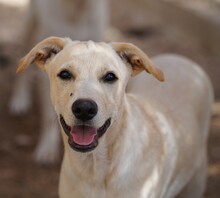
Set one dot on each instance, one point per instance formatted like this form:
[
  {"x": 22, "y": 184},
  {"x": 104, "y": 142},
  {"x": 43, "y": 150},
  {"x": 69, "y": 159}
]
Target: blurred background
[{"x": 190, "y": 28}]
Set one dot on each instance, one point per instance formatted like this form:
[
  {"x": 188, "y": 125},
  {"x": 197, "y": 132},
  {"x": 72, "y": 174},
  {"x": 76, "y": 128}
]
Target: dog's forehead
[
  {"x": 77, "y": 47},
  {"x": 88, "y": 52}
]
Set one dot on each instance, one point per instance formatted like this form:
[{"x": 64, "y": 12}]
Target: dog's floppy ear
[
  {"x": 138, "y": 60},
  {"x": 42, "y": 52}
]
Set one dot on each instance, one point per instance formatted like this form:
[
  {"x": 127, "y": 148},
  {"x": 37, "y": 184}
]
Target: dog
[
  {"x": 80, "y": 20},
  {"x": 148, "y": 141}
]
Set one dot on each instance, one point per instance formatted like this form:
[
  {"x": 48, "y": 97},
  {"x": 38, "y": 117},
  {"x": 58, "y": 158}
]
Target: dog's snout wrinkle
[{"x": 84, "y": 109}]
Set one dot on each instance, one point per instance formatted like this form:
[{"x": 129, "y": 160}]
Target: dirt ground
[{"x": 20, "y": 176}]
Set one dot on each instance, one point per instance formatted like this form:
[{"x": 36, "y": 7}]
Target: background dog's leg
[
  {"x": 48, "y": 147},
  {"x": 21, "y": 98}
]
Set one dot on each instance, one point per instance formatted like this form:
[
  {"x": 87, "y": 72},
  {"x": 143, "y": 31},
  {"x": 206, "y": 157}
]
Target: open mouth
[{"x": 83, "y": 138}]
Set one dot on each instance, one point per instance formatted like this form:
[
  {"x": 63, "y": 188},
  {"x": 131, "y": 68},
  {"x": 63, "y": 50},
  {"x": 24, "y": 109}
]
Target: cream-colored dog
[{"x": 149, "y": 143}]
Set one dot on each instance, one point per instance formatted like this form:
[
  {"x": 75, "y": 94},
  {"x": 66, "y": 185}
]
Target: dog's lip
[
  {"x": 66, "y": 128},
  {"x": 92, "y": 143}
]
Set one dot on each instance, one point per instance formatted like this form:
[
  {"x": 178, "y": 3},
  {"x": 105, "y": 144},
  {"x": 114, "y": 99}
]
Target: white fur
[
  {"x": 170, "y": 147},
  {"x": 149, "y": 188}
]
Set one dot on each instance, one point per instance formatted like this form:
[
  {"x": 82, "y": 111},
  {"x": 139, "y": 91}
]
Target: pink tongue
[{"x": 83, "y": 135}]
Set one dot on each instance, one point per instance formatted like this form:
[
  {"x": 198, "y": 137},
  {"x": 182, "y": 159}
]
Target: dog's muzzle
[{"x": 84, "y": 138}]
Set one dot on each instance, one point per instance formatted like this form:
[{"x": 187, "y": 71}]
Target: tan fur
[
  {"x": 156, "y": 144},
  {"x": 138, "y": 59},
  {"x": 37, "y": 56}
]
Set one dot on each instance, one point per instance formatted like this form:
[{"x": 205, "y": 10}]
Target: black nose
[{"x": 84, "y": 109}]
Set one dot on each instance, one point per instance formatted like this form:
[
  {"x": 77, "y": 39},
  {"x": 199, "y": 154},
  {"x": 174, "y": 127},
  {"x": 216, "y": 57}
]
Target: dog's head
[{"x": 88, "y": 82}]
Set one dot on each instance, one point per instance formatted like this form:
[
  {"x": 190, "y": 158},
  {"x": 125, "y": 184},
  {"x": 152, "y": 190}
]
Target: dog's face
[
  {"x": 88, "y": 83},
  {"x": 87, "y": 86}
]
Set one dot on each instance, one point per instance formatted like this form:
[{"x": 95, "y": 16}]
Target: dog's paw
[
  {"x": 20, "y": 104},
  {"x": 44, "y": 155},
  {"x": 48, "y": 148}
]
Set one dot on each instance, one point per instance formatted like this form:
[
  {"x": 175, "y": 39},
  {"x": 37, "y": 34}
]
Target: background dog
[
  {"x": 151, "y": 142},
  {"x": 77, "y": 19}
]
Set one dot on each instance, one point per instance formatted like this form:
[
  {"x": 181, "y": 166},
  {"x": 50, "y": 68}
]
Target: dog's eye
[
  {"x": 110, "y": 77},
  {"x": 65, "y": 75}
]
